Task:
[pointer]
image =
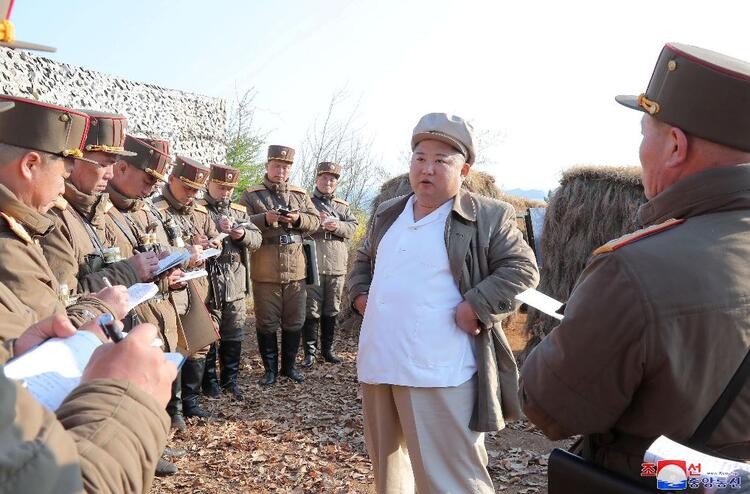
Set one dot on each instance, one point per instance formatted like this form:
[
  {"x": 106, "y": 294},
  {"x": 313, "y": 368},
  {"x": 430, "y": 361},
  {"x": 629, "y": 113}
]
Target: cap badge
[
  {"x": 229, "y": 176},
  {"x": 283, "y": 153},
  {"x": 672, "y": 65}
]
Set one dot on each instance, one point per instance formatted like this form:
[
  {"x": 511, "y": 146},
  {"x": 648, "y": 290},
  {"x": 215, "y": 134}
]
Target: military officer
[
  {"x": 283, "y": 213},
  {"x": 135, "y": 226},
  {"x": 659, "y": 320},
  {"x": 229, "y": 278},
  {"x": 191, "y": 226},
  {"x": 38, "y": 142},
  {"x": 337, "y": 224},
  {"x": 76, "y": 247}
]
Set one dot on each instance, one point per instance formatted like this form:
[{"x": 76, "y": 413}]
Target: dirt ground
[{"x": 308, "y": 438}]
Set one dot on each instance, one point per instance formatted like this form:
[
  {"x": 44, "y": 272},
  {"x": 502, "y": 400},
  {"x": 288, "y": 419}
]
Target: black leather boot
[
  {"x": 327, "y": 330},
  {"x": 269, "y": 353},
  {"x": 210, "y": 380},
  {"x": 310, "y": 340},
  {"x": 229, "y": 358},
  {"x": 192, "y": 376},
  {"x": 174, "y": 406},
  {"x": 289, "y": 348}
]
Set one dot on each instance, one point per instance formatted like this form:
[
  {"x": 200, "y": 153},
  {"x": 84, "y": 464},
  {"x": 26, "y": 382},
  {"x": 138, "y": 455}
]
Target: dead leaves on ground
[{"x": 306, "y": 438}]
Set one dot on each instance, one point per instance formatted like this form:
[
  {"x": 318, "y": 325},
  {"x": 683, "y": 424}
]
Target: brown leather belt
[{"x": 285, "y": 239}]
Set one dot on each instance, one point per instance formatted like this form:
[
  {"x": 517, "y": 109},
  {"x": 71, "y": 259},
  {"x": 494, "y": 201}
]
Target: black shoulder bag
[{"x": 569, "y": 473}]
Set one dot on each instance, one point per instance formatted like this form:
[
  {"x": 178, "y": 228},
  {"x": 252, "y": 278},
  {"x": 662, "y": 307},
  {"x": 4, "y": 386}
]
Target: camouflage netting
[
  {"x": 478, "y": 182},
  {"x": 592, "y": 206}
]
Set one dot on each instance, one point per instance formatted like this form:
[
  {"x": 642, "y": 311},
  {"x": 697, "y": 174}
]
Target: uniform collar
[
  {"x": 214, "y": 203},
  {"x": 274, "y": 187},
  {"x": 33, "y": 221},
  {"x": 463, "y": 205},
  {"x": 328, "y": 197},
  {"x": 121, "y": 201},
  {"x": 91, "y": 207},
  {"x": 174, "y": 204},
  {"x": 710, "y": 191}
]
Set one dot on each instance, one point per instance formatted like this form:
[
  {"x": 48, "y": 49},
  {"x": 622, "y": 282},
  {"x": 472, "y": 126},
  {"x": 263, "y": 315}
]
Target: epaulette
[
  {"x": 17, "y": 228},
  {"x": 161, "y": 205},
  {"x": 238, "y": 207},
  {"x": 635, "y": 236},
  {"x": 200, "y": 207},
  {"x": 61, "y": 203},
  {"x": 255, "y": 188},
  {"x": 294, "y": 188},
  {"x": 108, "y": 206},
  {"x": 340, "y": 201}
]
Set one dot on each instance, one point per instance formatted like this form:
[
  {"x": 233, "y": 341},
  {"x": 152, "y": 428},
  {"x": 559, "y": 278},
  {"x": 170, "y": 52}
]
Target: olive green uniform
[
  {"x": 229, "y": 277},
  {"x": 278, "y": 269},
  {"x": 24, "y": 269},
  {"x": 190, "y": 220},
  {"x": 135, "y": 225},
  {"x": 75, "y": 247},
  {"x": 324, "y": 300}
]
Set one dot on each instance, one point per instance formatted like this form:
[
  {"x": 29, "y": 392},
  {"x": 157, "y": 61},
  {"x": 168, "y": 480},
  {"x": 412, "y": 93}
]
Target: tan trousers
[{"x": 422, "y": 435}]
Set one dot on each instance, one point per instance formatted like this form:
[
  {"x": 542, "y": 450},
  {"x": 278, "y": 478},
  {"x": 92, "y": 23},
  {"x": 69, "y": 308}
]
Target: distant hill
[{"x": 537, "y": 194}]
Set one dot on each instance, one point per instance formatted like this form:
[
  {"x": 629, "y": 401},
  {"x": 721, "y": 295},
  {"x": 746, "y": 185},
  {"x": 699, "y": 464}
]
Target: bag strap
[{"x": 717, "y": 412}]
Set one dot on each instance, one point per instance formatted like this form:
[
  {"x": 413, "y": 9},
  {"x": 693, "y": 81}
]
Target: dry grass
[{"x": 592, "y": 206}]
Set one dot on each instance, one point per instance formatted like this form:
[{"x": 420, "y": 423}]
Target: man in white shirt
[{"x": 440, "y": 269}]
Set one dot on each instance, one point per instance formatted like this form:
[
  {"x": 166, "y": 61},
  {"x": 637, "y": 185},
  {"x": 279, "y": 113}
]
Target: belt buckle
[
  {"x": 327, "y": 236},
  {"x": 285, "y": 239}
]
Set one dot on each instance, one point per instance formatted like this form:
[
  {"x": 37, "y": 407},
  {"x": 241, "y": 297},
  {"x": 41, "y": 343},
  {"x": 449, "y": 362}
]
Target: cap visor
[
  {"x": 83, "y": 159},
  {"x": 156, "y": 175},
  {"x": 629, "y": 100},
  {"x": 417, "y": 138},
  {"x": 122, "y": 153}
]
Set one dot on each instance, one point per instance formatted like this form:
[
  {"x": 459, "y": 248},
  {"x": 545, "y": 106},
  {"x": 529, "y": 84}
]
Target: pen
[
  {"x": 106, "y": 282},
  {"x": 108, "y": 324}
]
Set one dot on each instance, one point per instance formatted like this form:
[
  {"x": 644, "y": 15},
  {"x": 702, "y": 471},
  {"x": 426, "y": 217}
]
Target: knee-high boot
[
  {"x": 327, "y": 330},
  {"x": 289, "y": 348},
  {"x": 310, "y": 341}
]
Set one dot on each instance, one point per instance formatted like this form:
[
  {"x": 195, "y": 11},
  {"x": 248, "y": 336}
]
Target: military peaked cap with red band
[
  {"x": 191, "y": 173},
  {"x": 150, "y": 155},
  {"x": 106, "y": 133},
  {"x": 281, "y": 153},
  {"x": 702, "y": 92},
  {"x": 53, "y": 129},
  {"x": 225, "y": 175},
  {"x": 329, "y": 167}
]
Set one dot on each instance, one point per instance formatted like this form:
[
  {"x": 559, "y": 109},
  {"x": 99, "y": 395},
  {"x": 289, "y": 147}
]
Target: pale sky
[{"x": 542, "y": 74}]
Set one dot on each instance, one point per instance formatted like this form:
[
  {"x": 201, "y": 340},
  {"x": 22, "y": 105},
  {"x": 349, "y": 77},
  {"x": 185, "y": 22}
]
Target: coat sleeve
[
  {"x": 309, "y": 218},
  {"x": 119, "y": 432},
  {"x": 118, "y": 273},
  {"x": 60, "y": 253},
  {"x": 347, "y": 225},
  {"x": 253, "y": 238},
  {"x": 256, "y": 214},
  {"x": 360, "y": 275},
  {"x": 107, "y": 437},
  {"x": 512, "y": 269},
  {"x": 567, "y": 385}
]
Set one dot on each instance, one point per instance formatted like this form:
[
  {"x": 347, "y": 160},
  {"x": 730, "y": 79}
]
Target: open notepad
[
  {"x": 172, "y": 260},
  {"x": 209, "y": 253},
  {"x": 53, "y": 369},
  {"x": 141, "y": 292},
  {"x": 191, "y": 275},
  {"x": 541, "y": 302}
]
